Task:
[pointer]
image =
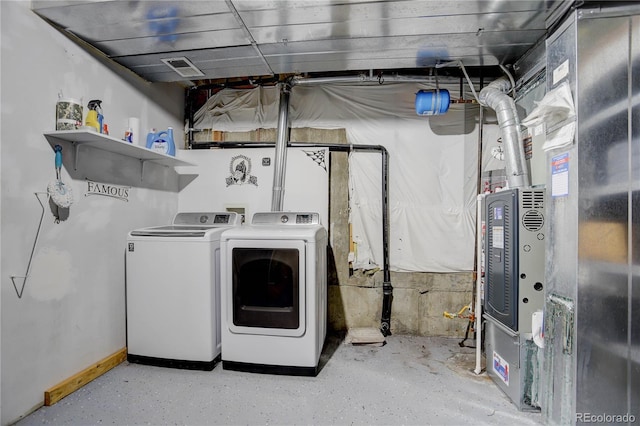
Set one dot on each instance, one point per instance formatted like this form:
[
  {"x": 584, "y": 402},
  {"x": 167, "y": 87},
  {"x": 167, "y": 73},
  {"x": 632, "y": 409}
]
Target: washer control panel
[{"x": 206, "y": 218}]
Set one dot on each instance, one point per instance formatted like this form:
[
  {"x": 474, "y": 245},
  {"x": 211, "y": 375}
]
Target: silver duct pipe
[
  {"x": 494, "y": 96},
  {"x": 302, "y": 81},
  {"x": 372, "y": 79},
  {"x": 280, "y": 165}
]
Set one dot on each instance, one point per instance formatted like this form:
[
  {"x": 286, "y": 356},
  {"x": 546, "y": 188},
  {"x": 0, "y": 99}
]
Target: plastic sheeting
[
  {"x": 556, "y": 111},
  {"x": 432, "y": 178}
]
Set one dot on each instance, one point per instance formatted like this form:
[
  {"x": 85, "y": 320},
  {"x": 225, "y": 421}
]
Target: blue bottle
[
  {"x": 101, "y": 122},
  {"x": 162, "y": 141}
]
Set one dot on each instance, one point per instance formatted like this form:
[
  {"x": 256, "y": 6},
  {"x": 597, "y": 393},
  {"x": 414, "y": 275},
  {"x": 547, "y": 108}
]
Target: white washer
[
  {"x": 274, "y": 294},
  {"x": 173, "y": 291}
]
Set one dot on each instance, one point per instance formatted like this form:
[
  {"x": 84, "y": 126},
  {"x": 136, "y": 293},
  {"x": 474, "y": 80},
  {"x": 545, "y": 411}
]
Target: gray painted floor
[{"x": 409, "y": 381}]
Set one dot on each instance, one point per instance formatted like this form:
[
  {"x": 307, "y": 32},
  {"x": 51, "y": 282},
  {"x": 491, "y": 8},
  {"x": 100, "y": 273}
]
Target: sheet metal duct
[
  {"x": 494, "y": 96},
  {"x": 281, "y": 149},
  {"x": 245, "y": 38}
]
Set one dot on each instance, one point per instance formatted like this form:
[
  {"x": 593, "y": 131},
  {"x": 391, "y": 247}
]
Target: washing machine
[
  {"x": 173, "y": 291},
  {"x": 274, "y": 294}
]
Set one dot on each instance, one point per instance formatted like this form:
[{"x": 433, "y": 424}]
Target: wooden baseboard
[{"x": 75, "y": 382}]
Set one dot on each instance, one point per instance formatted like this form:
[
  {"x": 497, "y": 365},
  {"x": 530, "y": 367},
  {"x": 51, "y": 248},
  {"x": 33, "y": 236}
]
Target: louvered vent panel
[
  {"x": 490, "y": 262},
  {"x": 494, "y": 284},
  {"x": 532, "y": 200},
  {"x": 508, "y": 247},
  {"x": 533, "y": 220}
]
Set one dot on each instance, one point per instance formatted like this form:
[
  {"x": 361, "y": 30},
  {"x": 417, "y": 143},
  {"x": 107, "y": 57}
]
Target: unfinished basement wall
[
  {"x": 70, "y": 312},
  {"x": 355, "y": 297}
]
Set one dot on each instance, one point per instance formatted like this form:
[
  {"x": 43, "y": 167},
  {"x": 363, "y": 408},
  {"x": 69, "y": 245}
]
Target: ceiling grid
[{"x": 251, "y": 38}]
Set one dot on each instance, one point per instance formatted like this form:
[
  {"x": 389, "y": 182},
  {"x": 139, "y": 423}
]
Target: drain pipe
[
  {"x": 280, "y": 161},
  {"x": 387, "y": 288},
  {"x": 494, "y": 96}
]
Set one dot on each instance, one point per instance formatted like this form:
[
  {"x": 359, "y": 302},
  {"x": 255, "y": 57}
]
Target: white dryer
[
  {"x": 173, "y": 291},
  {"x": 274, "y": 294}
]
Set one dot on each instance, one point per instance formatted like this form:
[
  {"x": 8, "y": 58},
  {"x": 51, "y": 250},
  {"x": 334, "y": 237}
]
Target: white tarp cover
[{"x": 432, "y": 178}]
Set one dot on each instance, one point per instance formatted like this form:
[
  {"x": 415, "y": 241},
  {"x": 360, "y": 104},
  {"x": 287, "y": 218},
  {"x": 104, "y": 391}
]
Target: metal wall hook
[{"x": 35, "y": 243}]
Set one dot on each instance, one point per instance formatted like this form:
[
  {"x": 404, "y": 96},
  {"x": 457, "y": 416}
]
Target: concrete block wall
[{"x": 419, "y": 302}]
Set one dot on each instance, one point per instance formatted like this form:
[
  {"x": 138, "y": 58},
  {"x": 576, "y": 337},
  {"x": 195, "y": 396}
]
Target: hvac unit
[{"x": 514, "y": 276}]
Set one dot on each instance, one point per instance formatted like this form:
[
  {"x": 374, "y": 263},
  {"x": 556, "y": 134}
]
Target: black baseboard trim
[
  {"x": 173, "y": 363},
  {"x": 270, "y": 369}
]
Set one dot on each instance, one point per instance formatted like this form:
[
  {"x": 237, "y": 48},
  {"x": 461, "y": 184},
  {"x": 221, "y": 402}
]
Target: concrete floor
[{"x": 411, "y": 381}]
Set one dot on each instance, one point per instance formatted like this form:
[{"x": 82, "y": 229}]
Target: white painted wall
[
  {"x": 72, "y": 312},
  {"x": 306, "y": 181},
  {"x": 1, "y": 272}
]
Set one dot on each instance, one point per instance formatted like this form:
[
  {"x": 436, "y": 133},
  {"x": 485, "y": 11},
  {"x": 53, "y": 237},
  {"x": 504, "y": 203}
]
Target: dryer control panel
[{"x": 286, "y": 218}]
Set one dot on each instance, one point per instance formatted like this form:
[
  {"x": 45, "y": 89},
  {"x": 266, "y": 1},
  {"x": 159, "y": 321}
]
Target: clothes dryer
[
  {"x": 274, "y": 294},
  {"x": 173, "y": 291}
]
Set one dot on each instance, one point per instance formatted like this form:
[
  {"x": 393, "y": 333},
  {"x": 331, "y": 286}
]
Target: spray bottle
[{"x": 94, "y": 117}]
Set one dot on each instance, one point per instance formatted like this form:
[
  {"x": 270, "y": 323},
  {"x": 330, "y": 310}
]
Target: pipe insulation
[
  {"x": 495, "y": 97},
  {"x": 280, "y": 160}
]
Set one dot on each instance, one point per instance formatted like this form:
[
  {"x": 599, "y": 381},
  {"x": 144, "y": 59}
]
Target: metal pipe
[
  {"x": 513, "y": 83},
  {"x": 464, "y": 71},
  {"x": 494, "y": 96},
  {"x": 302, "y": 81},
  {"x": 364, "y": 78},
  {"x": 190, "y": 113},
  {"x": 280, "y": 160},
  {"x": 478, "y": 309},
  {"x": 331, "y": 146},
  {"x": 387, "y": 288}
]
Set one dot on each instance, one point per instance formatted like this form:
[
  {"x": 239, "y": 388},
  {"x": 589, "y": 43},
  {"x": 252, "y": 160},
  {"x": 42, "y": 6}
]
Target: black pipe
[
  {"x": 190, "y": 112},
  {"x": 387, "y": 288}
]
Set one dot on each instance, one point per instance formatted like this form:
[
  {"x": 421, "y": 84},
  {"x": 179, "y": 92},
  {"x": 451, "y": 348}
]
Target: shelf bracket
[
  {"x": 76, "y": 150},
  {"x": 142, "y": 163}
]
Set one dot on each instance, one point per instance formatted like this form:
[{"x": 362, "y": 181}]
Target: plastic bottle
[
  {"x": 150, "y": 138},
  {"x": 101, "y": 121},
  {"x": 162, "y": 141},
  {"x": 93, "y": 117}
]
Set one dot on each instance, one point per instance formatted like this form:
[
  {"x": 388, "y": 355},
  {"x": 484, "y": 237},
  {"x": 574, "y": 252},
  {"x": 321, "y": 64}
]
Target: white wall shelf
[{"x": 109, "y": 143}]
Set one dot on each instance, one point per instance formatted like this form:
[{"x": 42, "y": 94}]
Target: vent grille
[
  {"x": 183, "y": 67},
  {"x": 533, "y": 199},
  {"x": 508, "y": 247},
  {"x": 532, "y": 220}
]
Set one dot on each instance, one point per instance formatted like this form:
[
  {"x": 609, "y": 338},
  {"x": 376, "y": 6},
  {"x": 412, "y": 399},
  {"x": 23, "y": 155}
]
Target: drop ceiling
[{"x": 231, "y": 39}]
